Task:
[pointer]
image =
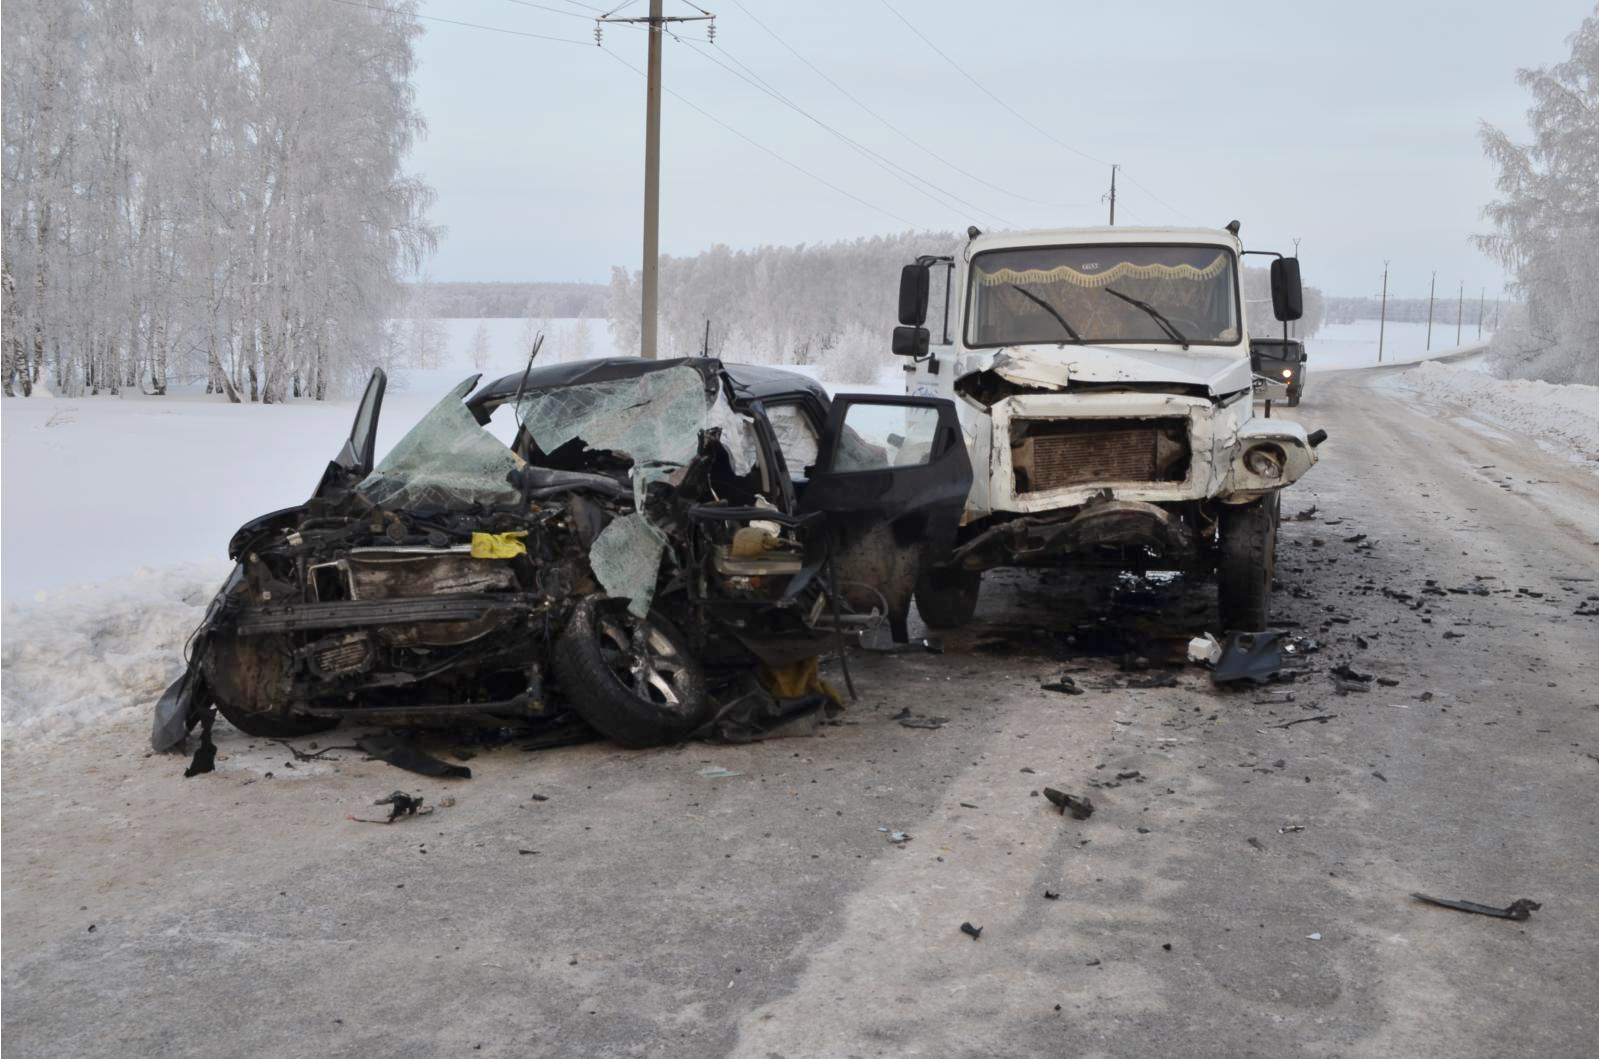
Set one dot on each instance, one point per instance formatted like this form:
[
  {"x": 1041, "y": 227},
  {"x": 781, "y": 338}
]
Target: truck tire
[
  {"x": 1294, "y": 398},
  {"x": 947, "y": 598},
  {"x": 633, "y": 680},
  {"x": 1245, "y": 563}
]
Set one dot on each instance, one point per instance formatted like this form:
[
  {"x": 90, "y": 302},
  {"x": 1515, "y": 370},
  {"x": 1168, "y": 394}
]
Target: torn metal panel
[
  {"x": 1252, "y": 656},
  {"x": 626, "y": 559}
]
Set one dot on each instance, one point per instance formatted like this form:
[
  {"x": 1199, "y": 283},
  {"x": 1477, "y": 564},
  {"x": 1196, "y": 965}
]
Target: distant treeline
[
  {"x": 1409, "y": 310},
  {"x": 516, "y": 300}
]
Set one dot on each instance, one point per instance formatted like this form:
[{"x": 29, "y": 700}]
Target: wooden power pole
[
  {"x": 649, "y": 272},
  {"x": 1460, "y": 294},
  {"x": 1431, "y": 278},
  {"x": 1383, "y": 310},
  {"x": 1114, "y": 169}
]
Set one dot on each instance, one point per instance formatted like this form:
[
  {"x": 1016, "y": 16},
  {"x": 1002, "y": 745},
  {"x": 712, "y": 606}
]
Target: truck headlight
[
  {"x": 1287, "y": 373},
  {"x": 1264, "y": 461}
]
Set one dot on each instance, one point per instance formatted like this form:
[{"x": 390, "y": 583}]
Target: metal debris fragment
[
  {"x": 971, "y": 931},
  {"x": 1519, "y": 910},
  {"x": 1081, "y": 808}
]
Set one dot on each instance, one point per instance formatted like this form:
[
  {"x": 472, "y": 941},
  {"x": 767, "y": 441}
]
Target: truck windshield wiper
[
  {"x": 1047, "y": 307},
  {"x": 1166, "y": 325}
]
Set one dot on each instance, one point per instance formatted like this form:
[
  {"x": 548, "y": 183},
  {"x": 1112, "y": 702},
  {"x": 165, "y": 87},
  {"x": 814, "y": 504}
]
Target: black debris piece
[
  {"x": 966, "y": 805},
  {"x": 527, "y": 853},
  {"x": 1305, "y": 516},
  {"x": 971, "y": 931},
  {"x": 1052, "y": 895},
  {"x": 1388, "y": 682},
  {"x": 1449, "y": 635},
  {"x": 1344, "y": 672},
  {"x": 1323, "y": 718},
  {"x": 1092, "y": 963},
  {"x": 1518, "y": 910},
  {"x": 1381, "y": 776},
  {"x": 387, "y": 746},
  {"x": 923, "y": 722},
  {"x": 1357, "y": 539},
  {"x": 538, "y": 797},
  {"x": 205, "y": 755},
  {"x": 1252, "y": 656},
  {"x": 1257, "y": 844},
  {"x": 1064, "y": 684},
  {"x": 400, "y": 805},
  {"x": 1133, "y": 775},
  {"x": 1081, "y": 808}
]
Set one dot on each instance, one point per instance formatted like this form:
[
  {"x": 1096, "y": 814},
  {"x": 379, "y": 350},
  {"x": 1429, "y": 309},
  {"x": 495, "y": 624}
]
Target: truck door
[{"x": 892, "y": 475}]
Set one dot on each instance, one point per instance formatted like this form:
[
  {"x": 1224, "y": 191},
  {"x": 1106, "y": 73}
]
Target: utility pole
[
  {"x": 1114, "y": 169},
  {"x": 1460, "y": 294},
  {"x": 1383, "y": 310},
  {"x": 1480, "y": 311},
  {"x": 1431, "y": 277},
  {"x": 652, "y": 167}
]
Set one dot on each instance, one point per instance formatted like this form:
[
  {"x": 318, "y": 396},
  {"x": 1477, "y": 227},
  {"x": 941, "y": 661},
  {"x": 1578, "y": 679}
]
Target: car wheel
[
  {"x": 948, "y": 598},
  {"x": 274, "y": 725},
  {"x": 632, "y": 679},
  {"x": 1245, "y": 563},
  {"x": 240, "y": 673}
]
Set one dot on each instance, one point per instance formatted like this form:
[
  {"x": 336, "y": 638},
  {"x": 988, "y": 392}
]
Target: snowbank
[
  {"x": 1337, "y": 347},
  {"x": 1564, "y": 419},
  {"x": 99, "y": 653}
]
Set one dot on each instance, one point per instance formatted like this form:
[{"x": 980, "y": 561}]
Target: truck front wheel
[
  {"x": 1247, "y": 556},
  {"x": 947, "y": 598}
]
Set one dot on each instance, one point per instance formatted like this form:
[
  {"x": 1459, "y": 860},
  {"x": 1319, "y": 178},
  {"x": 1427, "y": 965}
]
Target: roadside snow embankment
[
  {"x": 1564, "y": 419},
  {"x": 99, "y": 653}
]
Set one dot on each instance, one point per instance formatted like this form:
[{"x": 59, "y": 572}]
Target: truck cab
[{"x": 1103, "y": 381}]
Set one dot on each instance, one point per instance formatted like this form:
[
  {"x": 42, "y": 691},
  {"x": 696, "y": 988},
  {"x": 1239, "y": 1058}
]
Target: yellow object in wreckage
[{"x": 499, "y": 545}]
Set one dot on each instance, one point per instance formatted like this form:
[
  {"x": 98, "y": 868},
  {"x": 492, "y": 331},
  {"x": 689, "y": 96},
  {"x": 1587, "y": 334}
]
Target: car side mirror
[
  {"x": 913, "y": 295},
  {"x": 910, "y": 341},
  {"x": 1287, "y": 301}
]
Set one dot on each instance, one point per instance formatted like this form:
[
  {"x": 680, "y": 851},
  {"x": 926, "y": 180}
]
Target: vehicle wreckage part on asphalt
[
  {"x": 1519, "y": 910},
  {"x": 1253, "y": 656}
]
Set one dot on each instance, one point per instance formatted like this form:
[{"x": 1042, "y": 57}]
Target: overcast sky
[{"x": 1352, "y": 125}]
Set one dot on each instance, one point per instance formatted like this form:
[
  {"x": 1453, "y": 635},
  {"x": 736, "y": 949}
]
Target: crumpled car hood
[{"x": 1221, "y": 371}]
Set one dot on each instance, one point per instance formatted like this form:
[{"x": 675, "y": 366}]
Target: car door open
[{"x": 892, "y": 475}]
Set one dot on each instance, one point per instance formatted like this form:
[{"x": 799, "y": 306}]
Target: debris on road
[
  {"x": 386, "y": 746},
  {"x": 1256, "y": 844},
  {"x": 1291, "y": 829},
  {"x": 899, "y": 838},
  {"x": 1307, "y": 515},
  {"x": 1275, "y": 699},
  {"x": 715, "y": 772},
  {"x": 1314, "y": 937},
  {"x": 1205, "y": 649},
  {"x": 1064, "y": 684},
  {"x": 400, "y": 805},
  {"x": 1252, "y": 656},
  {"x": 1322, "y": 718},
  {"x": 1081, "y": 808},
  {"x": 908, "y": 719},
  {"x": 1519, "y": 910},
  {"x": 971, "y": 931},
  {"x": 1052, "y": 895}
]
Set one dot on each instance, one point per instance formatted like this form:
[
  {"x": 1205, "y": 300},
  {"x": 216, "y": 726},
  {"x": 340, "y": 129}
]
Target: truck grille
[{"x": 1057, "y": 453}]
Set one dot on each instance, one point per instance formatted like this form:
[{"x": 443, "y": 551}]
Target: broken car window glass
[
  {"x": 655, "y": 419},
  {"x": 797, "y": 438},
  {"x": 447, "y": 460},
  {"x": 877, "y": 436},
  {"x": 626, "y": 558}
]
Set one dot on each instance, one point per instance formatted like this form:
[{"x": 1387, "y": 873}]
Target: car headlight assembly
[{"x": 1265, "y": 461}]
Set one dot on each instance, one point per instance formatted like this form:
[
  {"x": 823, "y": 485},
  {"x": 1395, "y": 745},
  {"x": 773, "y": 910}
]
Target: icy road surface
[{"x": 1245, "y": 894}]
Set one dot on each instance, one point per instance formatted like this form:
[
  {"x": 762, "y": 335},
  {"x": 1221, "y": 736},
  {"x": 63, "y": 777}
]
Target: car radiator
[{"x": 1058, "y": 453}]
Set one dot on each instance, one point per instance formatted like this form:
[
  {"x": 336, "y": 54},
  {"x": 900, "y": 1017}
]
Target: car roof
[{"x": 747, "y": 382}]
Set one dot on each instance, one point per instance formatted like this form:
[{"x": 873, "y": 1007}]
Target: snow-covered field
[
  {"x": 1564, "y": 420},
  {"x": 1355, "y": 345}
]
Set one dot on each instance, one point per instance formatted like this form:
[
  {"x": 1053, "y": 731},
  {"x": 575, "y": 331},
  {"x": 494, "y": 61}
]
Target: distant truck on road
[
  {"x": 1279, "y": 365},
  {"x": 1103, "y": 382}
]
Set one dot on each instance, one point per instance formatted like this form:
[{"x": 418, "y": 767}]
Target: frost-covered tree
[
  {"x": 205, "y": 189},
  {"x": 480, "y": 347},
  {"x": 1547, "y": 225}
]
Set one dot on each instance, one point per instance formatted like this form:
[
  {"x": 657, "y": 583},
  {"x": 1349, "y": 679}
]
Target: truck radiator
[{"x": 1058, "y": 453}]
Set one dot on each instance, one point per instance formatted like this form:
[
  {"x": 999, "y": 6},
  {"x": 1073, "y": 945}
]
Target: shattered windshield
[
  {"x": 1105, "y": 293},
  {"x": 655, "y": 419},
  {"x": 447, "y": 460}
]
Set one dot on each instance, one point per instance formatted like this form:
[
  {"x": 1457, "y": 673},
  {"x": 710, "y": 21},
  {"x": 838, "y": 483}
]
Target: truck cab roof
[{"x": 1102, "y": 234}]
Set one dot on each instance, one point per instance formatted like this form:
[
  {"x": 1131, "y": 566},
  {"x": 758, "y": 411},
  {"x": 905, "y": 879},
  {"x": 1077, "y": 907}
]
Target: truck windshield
[{"x": 1182, "y": 295}]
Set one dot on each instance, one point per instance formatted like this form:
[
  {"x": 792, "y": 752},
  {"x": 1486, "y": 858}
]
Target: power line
[
  {"x": 762, "y": 147},
  {"x": 892, "y": 127},
  {"x": 889, "y": 166},
  {"x": 455, "y": 22},
  {"x": 555, "y": 10},
  {"x": 1013, "y": 111}
]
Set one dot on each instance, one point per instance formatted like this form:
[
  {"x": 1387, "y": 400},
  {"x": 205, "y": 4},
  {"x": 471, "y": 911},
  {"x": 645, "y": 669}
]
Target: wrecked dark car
[{"x": 658, "y": 539}]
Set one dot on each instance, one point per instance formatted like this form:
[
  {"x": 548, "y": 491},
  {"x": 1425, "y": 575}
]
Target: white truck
[{"x": 1103, "y": 382}]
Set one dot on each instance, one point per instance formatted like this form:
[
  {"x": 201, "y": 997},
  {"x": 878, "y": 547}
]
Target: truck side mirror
[
  {"x": 1287, "y": 302},
  {"x": 913, "y": 296},
  {"x": 910, "y": 341}
]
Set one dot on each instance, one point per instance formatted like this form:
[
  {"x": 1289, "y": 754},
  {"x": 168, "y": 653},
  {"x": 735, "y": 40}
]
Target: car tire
[
  {"x": 1245, "y": 564},
  {"x": 633, "y": 680},
  {"x": 274, "y": 725},
  {"x": 947, "y": 598}
]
